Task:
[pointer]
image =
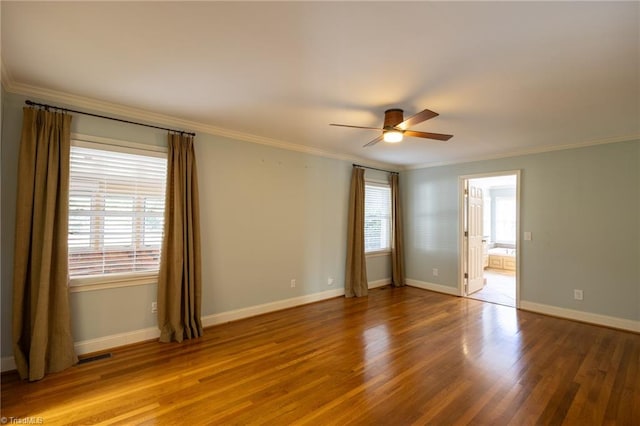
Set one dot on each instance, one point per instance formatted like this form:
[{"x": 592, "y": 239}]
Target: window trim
[
  {"x": 77, "y": 139},
  {"x": 124, "y": 279},
  {"x": 101, "y": 282},
  {"x": 377, "y": 253},
  {"x": 386, "y": 251}
]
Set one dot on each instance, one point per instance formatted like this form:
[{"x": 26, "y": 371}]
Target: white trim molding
[
  {"x": 462, "y": 266},
  {"x": 131, "y": 113},
  {"x": 115, "y": 340},
  {"x": 453, "y": 291},
  {"x": 379, "y": 253},
  {"x": 379, "y": 283},
  {"x": 12, "y": 86},
  {"x": 7, "y": 364},
  {"x": 102, "y": 282},
  {"x": 526, "y": 151},
  {"x": 265, "y": 308},
  {"x": 588, "y": 317},
  {"x": 99, "y": 344},
  {"x": 151, "y": 333},
  {"x": 99, "y": 142}
]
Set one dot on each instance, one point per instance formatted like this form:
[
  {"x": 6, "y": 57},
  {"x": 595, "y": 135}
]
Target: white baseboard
[
  {"x": 122, "y": 339},
  {"x": 252, "y": 311},
  {"x": 113, "y": 341},
  {"x": 591, "y": 318},
  {"x": 100, "y": 344},
  {"x": 7, "y": 363},
  {"x": 379, "y": 283},
  {"x": 588, "y": 317},
  {"x": 433, "y": 287}
]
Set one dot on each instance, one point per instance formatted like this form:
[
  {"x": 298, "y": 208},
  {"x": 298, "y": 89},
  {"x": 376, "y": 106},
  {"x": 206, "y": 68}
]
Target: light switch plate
[{"x": 527, "y": 236}]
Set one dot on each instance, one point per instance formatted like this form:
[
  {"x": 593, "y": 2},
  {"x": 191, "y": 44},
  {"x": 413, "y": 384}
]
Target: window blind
[
  {"x": 116, "y": 210},
  {"x": 377, "y": 217}
]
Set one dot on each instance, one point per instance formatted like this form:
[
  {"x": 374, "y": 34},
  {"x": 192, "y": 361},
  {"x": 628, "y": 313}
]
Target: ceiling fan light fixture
[
  {"x": 392, "y": 136},
  {"x": 395, "y": 127}
]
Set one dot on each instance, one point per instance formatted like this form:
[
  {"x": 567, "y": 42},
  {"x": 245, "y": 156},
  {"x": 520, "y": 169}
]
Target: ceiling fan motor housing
[{"x": 392, "y": 117}]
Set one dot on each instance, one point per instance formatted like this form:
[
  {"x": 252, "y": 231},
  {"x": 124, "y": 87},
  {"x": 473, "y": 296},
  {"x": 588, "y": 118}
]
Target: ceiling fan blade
[
  {"x": 355, "y": 127},
  {"x": 418, "y": 118},
  {"x": 427, "y": 135},
  {"x": 373, "y": 142}
]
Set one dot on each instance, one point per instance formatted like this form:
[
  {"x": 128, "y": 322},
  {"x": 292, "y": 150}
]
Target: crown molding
[
  {"x": 530, "y": 151},
  {"x": 146, "y": 116},
  {"x": 5, "y": 76},
  {"x": 10, "y": 85}
]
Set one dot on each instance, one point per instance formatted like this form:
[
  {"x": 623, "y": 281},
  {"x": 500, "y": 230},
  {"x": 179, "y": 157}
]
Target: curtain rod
[
  {"x": 31, "y": 103},
  {"x": 373, "y": 168}
]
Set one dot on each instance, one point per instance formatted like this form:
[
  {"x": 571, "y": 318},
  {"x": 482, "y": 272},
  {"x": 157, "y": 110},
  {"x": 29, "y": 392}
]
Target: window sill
[
  {"x": 378, "y": 253},
  {"x": 104, "y": 282}
]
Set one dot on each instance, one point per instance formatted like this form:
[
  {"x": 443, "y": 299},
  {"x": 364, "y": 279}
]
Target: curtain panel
[
  {"x": 179, "y": 279},
  {"x": 356, "y": 283},
  {"x": 42, "y": 340},
  {"x": 397, "y": 246}
]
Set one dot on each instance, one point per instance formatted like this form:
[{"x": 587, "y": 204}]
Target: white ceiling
[{"x": 505, "y": 77}]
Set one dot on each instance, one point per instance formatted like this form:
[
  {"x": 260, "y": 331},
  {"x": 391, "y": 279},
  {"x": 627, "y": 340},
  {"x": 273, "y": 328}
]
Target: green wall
[
  {"x": 581, "y": 205},
  {"x": 268, "y": 215}
]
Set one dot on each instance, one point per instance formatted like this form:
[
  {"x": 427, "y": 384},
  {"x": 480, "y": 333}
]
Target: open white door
[{"x": 475, "y": 269}]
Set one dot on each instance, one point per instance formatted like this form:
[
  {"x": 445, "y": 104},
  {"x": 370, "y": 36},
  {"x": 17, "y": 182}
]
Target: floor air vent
[{"x": 94, "y": 358}]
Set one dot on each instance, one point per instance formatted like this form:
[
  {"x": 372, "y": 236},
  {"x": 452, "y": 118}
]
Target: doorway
[{"x": 489, "y": 229}]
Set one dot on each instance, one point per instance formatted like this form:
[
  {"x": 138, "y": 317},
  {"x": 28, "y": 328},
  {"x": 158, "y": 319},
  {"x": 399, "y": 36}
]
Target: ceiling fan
[{"x": 395, "y": 127}]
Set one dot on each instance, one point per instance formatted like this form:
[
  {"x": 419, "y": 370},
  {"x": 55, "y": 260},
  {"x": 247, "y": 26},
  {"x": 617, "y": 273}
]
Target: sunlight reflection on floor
[{"x": 497, "y": 349}]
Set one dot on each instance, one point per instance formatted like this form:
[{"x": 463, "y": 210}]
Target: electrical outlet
[
  {"x": 154, "y": 307},
  {"x": 330, "y": 281},
  {"x": 435, "y": 272},
  {"x": 577, "y": 294},
  {"x": 293, "y": 283}
]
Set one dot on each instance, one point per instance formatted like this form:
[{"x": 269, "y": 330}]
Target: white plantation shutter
[
  {"x": 377, "y": 217},
  {"x": 116, "y": 209}
]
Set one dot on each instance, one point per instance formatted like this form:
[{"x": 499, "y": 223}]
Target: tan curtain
[
  {"x": 355, "y": 283},
  {"x": 42, "y": 341},
  {"x": 179, "y": 279},
  {"x": 397, "y": 247}
]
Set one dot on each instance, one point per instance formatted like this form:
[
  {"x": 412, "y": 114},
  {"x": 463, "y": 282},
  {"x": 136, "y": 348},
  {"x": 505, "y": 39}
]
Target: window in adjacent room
[
  {"x": 506, "y": 220},
  {"x": 377, "y": 217},
  {"x": 116, "y": 212}
]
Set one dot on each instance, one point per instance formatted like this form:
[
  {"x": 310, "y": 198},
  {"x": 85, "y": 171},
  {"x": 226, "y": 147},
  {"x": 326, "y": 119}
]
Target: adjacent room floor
[{"x": 500, "y": 287}]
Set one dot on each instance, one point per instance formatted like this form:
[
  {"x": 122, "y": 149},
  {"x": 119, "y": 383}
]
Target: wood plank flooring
[{"x": 398, "y": 357}]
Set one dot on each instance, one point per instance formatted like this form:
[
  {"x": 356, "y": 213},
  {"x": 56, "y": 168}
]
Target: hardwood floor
[{"x": 400, "y": 356}]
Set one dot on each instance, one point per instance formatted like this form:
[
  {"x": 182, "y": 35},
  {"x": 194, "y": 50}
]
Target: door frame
[{"x": 461, "y": 226}]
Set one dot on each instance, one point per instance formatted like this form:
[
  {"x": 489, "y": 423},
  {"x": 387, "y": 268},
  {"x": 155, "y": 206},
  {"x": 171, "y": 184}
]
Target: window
[
  {"x": 506, "y": 220},
  {"x": 377, "y": 217},
  {"x": 116, "y": 211}
]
